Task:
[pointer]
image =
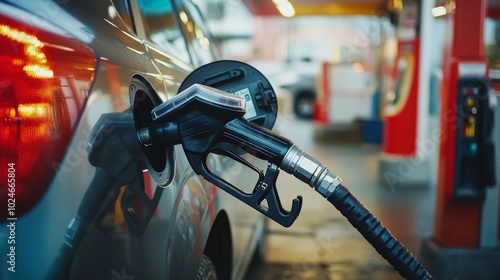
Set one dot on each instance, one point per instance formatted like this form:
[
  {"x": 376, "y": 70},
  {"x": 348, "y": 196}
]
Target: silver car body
[{"x": 192, "y": 217}]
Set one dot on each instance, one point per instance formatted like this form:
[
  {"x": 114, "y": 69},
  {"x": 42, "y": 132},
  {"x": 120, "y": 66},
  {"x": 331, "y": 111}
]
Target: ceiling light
[
  {"x": 438, "y": 11},
  {"x": 285, "y": 8}
]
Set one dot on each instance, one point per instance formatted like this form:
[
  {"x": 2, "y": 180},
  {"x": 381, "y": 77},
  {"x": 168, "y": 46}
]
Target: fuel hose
[
  {"x": 98, "y": 190},
  {"x": 328, "y": 184}
]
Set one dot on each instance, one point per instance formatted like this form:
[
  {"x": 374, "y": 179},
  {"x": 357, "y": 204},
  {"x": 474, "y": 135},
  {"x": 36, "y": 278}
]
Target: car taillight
[{"x": 45, "y": 77}]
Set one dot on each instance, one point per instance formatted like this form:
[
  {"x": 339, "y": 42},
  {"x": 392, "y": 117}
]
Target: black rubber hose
[
  {"x": 99, "y": 188},
  {"x": 377, "y": 235}
]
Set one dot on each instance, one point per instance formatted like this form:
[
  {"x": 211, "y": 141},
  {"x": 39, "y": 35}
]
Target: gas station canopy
[
  {"x": 339, "y": 7},
  {"x": 321, "y": 7}
]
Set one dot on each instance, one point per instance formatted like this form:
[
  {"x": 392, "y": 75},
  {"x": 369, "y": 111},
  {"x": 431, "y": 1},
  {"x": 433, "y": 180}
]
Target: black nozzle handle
[
  {"x": 256, "y": 140},
  {"x": 265, "y": 189}
]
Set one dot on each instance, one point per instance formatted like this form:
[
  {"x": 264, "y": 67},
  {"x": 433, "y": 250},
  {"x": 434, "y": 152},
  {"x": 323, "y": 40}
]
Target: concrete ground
[{"x": 321, "y": 244}]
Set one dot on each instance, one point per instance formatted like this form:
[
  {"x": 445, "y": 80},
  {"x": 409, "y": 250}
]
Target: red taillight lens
[{"x": 45, "y": 77}]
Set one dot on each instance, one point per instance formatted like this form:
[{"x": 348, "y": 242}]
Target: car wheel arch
[{"x": 219, "y": 246}]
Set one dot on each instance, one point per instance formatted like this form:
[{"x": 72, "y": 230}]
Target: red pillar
[
  {"x": 457, "y": 221},
  {"x": 400, "y": 121},
  {"x": 400, "y": 117}
]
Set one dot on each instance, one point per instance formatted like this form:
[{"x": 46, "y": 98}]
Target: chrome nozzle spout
[{"x": 310, "y": 171}]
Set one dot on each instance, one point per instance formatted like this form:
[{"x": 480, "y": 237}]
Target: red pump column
[
  {"x": 457, "y": 221},
  {"x": 454, "y": 251},
  {"x": 405, "y": 156},
  {"x": 400, "y": 113}
]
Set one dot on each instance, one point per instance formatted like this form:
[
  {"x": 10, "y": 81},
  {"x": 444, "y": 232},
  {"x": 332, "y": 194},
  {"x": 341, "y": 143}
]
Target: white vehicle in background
[{"x": 295, "y": 83}]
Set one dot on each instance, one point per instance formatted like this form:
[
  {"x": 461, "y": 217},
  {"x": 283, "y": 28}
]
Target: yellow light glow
[
  {"x": 20, "y": 36},
  {"x": 198, "y": 32},
  {"x": 10, "y": 113},
  {"x": 438, "y": 11},
  {"x": 396, "y": 5},
  {"x": 38, "y": 71},
  {"x": 205, "y": 43},
  {"x": 286, "y": 9},
  {"x": 140, "y": 52},
  {"x": 470, "y": 127},
  {"x": 358, "y": 67},
  {"x": 17, "y": 62},
  {"x": 36, "y": 62},
  {"x": 184, "y": 17},
  {"x": 450, "y": 6},
  {"x": 332, "y": 8},
  {"x": 391, "y": 95},
  {"x": 33, "y": 110},
  {"x": 112, "y": 12}
]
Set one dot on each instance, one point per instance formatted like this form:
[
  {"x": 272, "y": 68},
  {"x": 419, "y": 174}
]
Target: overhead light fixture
[
  {"x": 448, "y": 8},
  {"x": 285, "y": 8},
  {"x": 438, "y": 11},
  {"x": 395, "y": 5}
]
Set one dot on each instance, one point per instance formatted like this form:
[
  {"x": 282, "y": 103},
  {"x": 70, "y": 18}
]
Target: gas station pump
[
  {"x": 474, "y": 168},
  {"x": 467, "y": 169},
  {"x": 467, "y": 161}
]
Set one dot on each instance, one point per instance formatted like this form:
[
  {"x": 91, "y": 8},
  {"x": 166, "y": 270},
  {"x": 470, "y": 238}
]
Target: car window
[
  {"x": 197, "y": 34},
  {"x": 162, "y": 28},
  {"x": 122, "y": 7}
]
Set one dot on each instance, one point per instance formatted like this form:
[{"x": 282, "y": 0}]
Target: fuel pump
[
  {"x": 475, "y": 150},
  {"x": 207, "y": 120},
  {"x": 465, "y": 239}
]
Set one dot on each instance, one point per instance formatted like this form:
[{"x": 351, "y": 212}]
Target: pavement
[{"x": 321, "y": 244}]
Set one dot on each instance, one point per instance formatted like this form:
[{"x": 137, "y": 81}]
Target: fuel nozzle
[
  {"x": 204, "y": 119},
  {"x": 195, "y": 113}
]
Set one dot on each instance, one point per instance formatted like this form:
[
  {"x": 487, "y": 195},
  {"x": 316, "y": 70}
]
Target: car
[
  {"x": 79, "y": 204},
  {"x": 296, "y": 83}
]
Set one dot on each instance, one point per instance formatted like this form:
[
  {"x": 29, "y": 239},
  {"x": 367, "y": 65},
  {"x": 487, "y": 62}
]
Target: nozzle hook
[{"x": 265, "y": 188}]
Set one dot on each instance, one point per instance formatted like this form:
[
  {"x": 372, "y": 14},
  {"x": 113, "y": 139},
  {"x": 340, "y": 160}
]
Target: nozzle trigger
[{"x": 265, "y": 188}]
